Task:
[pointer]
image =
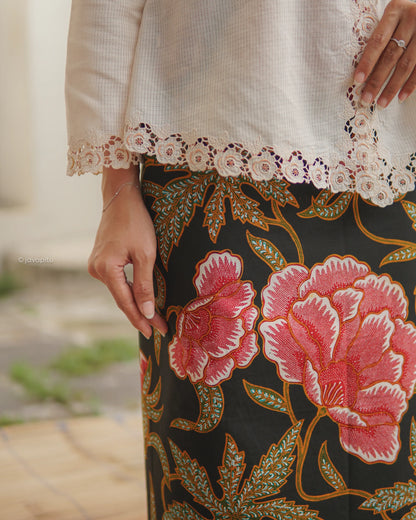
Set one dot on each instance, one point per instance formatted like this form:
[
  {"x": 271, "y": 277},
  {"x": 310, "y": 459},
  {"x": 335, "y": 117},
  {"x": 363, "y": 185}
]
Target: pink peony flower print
[
  {"x": 340, "y": 331},
  {"x": 215, "y": 330}
]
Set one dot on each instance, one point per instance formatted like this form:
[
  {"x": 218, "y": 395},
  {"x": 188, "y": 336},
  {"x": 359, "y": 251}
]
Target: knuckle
[
  {"x": 143, "y": 288},
  {"x": 146, "y": 255},
  {"x": 378, "y": 38},
  {"x": 101, "y": 266},
  {"x": 405, "y": 65},
  {"x": 394, "y": 5},
  {"x": 390, "y": 53},
  {"x": 91, "y": 270}
]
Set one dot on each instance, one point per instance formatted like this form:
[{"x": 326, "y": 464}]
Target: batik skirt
[{"x": 284, "y": 387}]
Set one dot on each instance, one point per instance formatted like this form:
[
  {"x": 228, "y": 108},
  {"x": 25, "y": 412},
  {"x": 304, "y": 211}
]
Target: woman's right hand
[{"x": 126, "y": 235}]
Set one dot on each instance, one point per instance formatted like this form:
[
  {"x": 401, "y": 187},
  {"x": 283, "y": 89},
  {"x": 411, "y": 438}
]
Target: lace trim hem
[
  {"x": 87, "y": 157},
  {"x": 362, "y": 171},
  {"x": 367, "y": 169}
]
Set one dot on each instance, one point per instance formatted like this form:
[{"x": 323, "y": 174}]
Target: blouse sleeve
[{"x": 101, "y": 46}]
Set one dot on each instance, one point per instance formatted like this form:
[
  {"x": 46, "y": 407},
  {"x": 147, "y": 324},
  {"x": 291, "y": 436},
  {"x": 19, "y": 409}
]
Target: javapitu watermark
[{"x": 35, "y": 260}]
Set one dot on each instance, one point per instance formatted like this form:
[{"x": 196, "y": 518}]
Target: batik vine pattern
[{"x": 336, "y": 329}]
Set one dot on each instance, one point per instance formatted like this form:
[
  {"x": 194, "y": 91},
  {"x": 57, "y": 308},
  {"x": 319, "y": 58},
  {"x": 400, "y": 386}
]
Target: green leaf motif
[
  {"x": 328, "y": 470},
  {"x": 175, "y": 206},
  {"x": 176, "y": 202},
  {"x": 155, "y": 442},
  {"x": 195, "y": 479},
  {"x": 274, "y": 189},
  {"x": 321, "y": 207},
  {"x": 281, "y": 509},
  {"x": 404, "y": 254},
  {"x": 412, "y": 442},
  {"x": 266, "y": 397},
  {"x": 411, "y": 515},
  {"x": 392, "y": 498},
  {"x": 271, "y": 474},
  {"x": 179, "y": 511},
  {"x": 150, "y": 400},
  {"x": 254, "y": 500},
  {"x": 244, "y": 208},
  {"x": 267, "y": 251},
  {"x": 232, "y": 470},
  {"x": 211, "y": 405},
  {"x": 215, "y": 213},
  {"x": 410, "y": 209},
  {"x": 321, "y": 200},
  {"x": 157, "y": 344}
]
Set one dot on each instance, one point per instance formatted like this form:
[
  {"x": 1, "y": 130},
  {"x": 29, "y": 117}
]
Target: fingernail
[
  {"x": 359, "y": 77},
  {"x": 160, "y": 332},
  {"x": 148, "y": 310},
  {"x": 382, "y": 102},
  {"x": 366, "y": 99}
]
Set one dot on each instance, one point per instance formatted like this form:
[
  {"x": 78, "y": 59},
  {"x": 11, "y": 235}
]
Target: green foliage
[
  {"x": 211, "y": 404},
  {"x": 404, "y": 254},
  {"x": 328, "y": 470},
  {"x": 410, "y": 209},
  {"x": 411, "y": 515},
  {"x": 412, "y": 443},
  {"x": 267, "y": 251},
  {"x": 155, "y": 442},
  {"x": 39, "y": 384},
  {"x": 324, "y": 208},
  {"x": 175, "y": 204},
  {"x": 6, "y": 420},
  {"x": 266, "y": 397},
  {"x": 253, "y": 498},
  {"x": 393, "y": 498},
  {"x": 79, "y": 361},
  {"x": 8, "y": 284}
]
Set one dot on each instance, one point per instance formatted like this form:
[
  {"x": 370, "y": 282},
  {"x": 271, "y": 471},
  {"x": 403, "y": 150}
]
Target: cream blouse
[{"x": 248, "y": 87}]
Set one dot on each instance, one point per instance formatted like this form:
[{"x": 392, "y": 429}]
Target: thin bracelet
[{"x": 118, "y": 191}]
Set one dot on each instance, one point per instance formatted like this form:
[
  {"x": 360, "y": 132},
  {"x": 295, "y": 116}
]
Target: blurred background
[{"x": 68, "y": 357}]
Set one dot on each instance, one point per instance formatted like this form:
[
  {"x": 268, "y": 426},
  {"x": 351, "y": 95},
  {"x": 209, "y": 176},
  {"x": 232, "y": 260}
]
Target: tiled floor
[{"x": 74, "y": 469}]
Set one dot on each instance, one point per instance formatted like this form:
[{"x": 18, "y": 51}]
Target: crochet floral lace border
[{"x": 366, "y": 169}]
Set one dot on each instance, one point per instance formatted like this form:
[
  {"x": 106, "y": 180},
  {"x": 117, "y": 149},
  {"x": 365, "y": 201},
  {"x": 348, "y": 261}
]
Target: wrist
[{"x": 113, "y": 179}]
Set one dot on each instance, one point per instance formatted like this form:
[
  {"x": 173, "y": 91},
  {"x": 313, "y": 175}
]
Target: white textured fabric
[{"x": 261, "y": 88}]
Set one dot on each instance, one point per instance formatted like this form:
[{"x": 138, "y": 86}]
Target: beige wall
[{"x": 38, "y": 202}]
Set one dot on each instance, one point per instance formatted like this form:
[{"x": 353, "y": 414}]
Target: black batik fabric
[{"x": 284, "y": 387}]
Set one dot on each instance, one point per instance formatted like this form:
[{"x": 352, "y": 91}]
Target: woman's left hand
[{"x": 382, "y": 55}]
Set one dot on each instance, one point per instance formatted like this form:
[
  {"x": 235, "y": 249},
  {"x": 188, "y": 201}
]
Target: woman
[{"x": 276, "y": 143}]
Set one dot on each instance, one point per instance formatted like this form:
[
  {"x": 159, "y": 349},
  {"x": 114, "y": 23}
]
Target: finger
[
  {"x": 404, "y": 68},
  {"x": 387, "y": 62},
  {"x": 157, "y": 321},
  {"x": 114, "y": 279},
  {"x": 409, "y": 87},
  {"x": 377, "y": 43},
  {"x": 143, "y": 285}
]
